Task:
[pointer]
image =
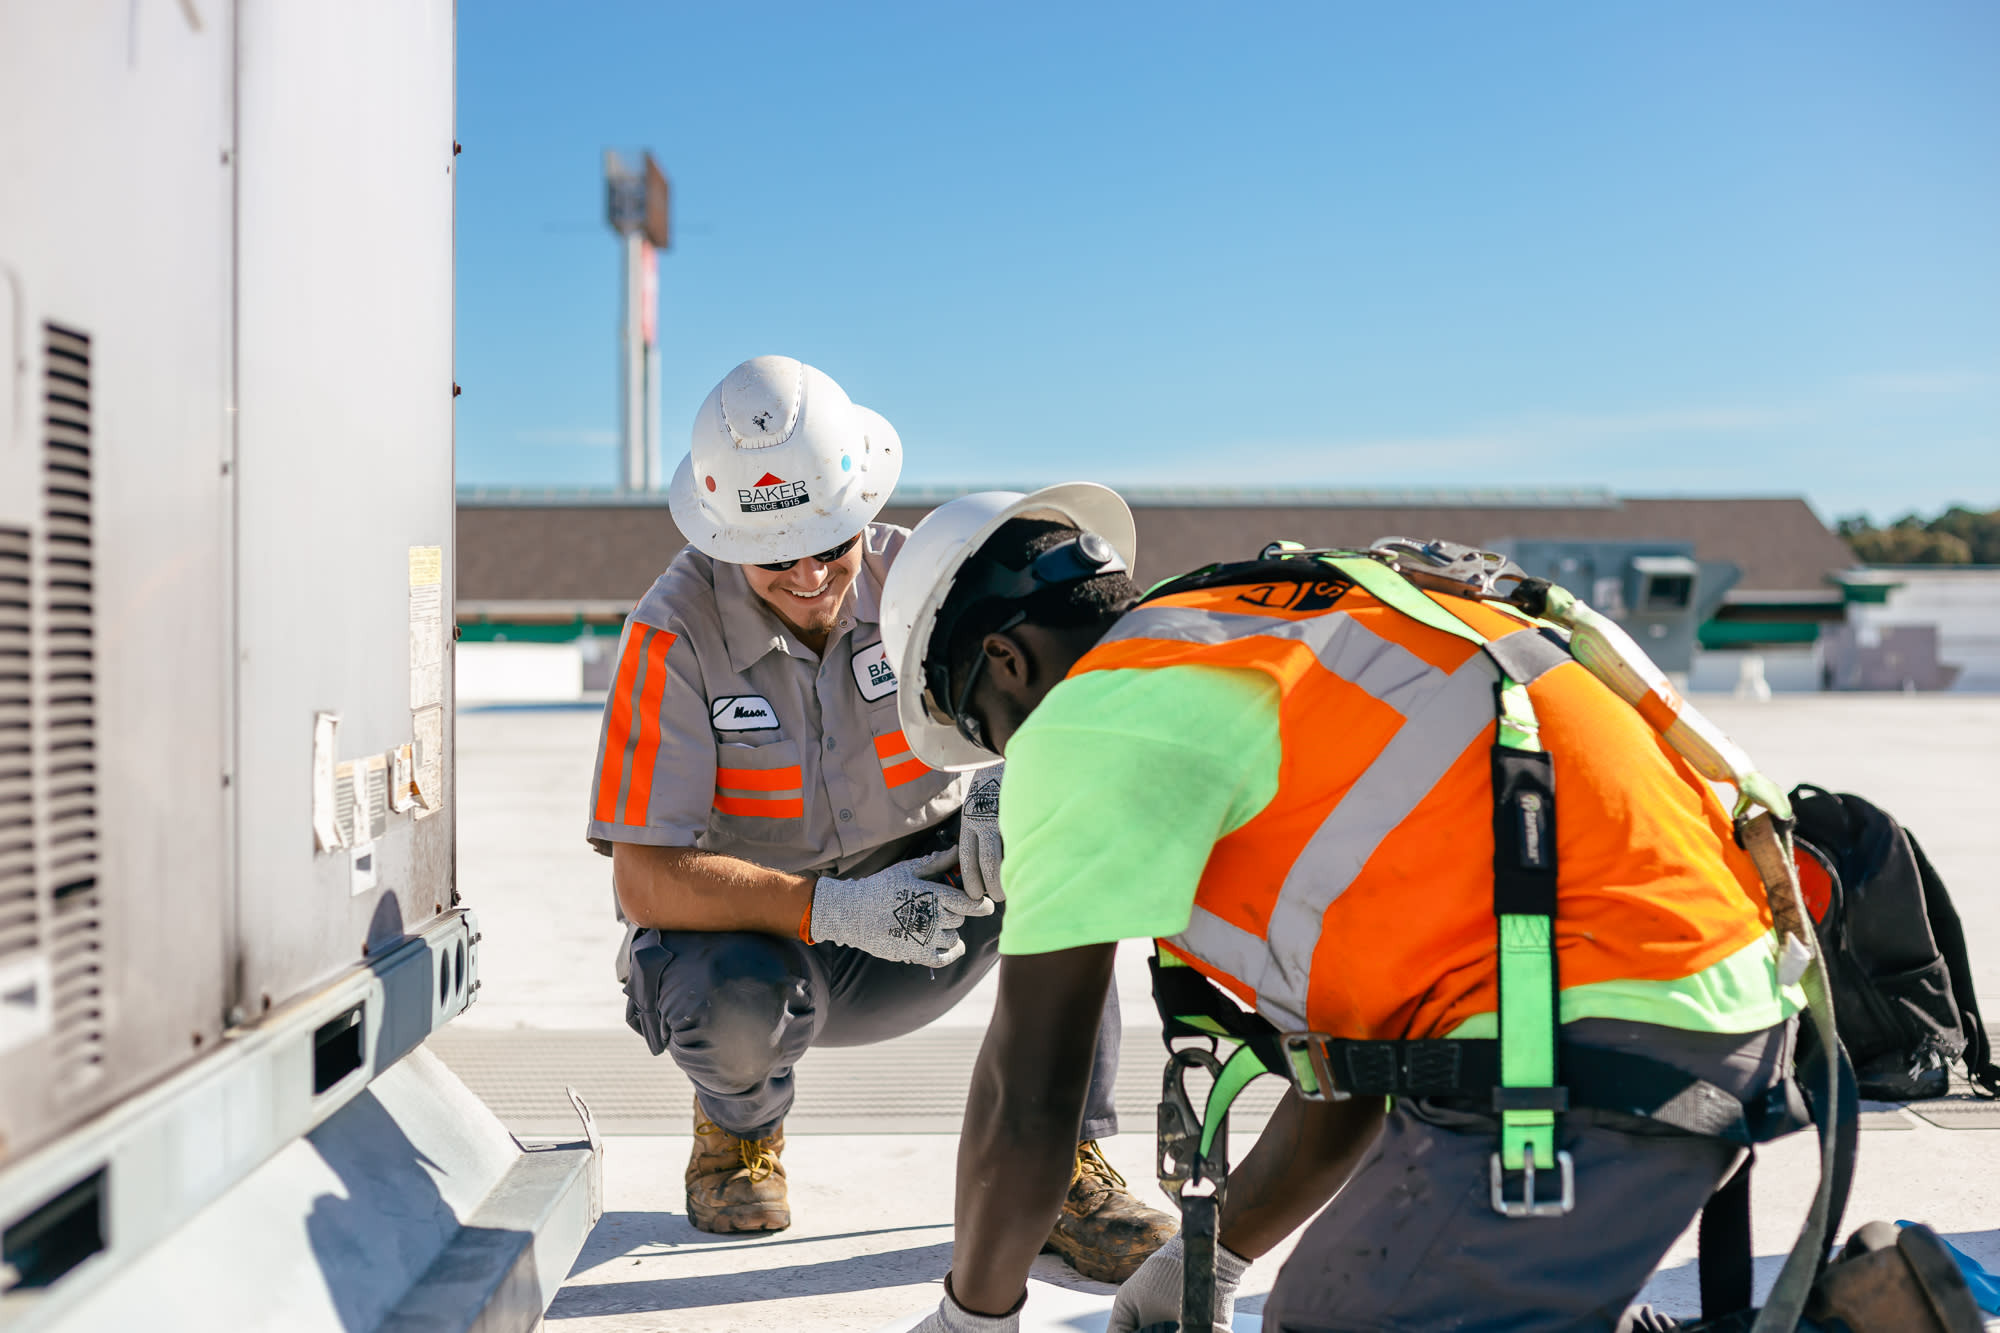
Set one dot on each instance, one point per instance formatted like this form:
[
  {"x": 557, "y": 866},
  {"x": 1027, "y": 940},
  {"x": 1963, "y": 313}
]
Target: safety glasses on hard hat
[
  {"x": 825, "y": 557},
  {"x": 1084, "y": 556}
]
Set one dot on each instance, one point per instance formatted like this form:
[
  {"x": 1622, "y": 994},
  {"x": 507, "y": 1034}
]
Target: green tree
[
  {"x": 1980, "y": 532},
  {"x": 1958, "y": 536},
  {"x": 1911, "y": 545}
]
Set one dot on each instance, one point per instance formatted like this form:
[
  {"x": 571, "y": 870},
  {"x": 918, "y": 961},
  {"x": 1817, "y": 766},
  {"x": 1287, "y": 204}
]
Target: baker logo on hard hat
[
  {"x": 771, "y": 492},
  {"x": 825, "y": 466}
]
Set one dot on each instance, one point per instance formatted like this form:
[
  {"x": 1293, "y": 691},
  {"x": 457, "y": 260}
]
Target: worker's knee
[{"x": 730, "y": 1007}]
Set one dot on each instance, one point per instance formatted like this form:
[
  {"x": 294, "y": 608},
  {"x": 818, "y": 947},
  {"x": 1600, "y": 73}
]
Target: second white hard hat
[
  {"x": 921, "y": 579},
  {"x": 781, "y": 464}
]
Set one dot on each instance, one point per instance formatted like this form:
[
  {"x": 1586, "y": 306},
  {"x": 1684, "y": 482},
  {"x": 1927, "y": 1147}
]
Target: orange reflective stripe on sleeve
[
  {"x": 646, "y": 744},
  {"x": 907, "y": 771},
  {"x": 644, "y": 648},
  {"x": 793, "y": 807},
  {"x": 899, "y": 766},
  {"x": 789, "y": 780},
  {"x": 759, "y": 779}
]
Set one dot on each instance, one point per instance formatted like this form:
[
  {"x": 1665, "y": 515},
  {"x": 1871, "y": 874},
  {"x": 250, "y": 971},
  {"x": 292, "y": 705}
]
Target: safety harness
[{"x": 1527, "y": 1076}]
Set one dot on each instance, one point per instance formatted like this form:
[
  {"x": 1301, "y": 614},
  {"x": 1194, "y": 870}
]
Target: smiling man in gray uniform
[{"x": 792, "y": 875}]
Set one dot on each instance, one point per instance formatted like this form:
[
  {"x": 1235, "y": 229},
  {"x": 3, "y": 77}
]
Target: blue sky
[{"x": 1695, "y": 248}]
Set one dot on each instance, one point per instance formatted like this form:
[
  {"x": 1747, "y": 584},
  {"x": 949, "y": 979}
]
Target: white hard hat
[
  {"x": 781, "y": 465},
  {"x": 922, "y": 575}
]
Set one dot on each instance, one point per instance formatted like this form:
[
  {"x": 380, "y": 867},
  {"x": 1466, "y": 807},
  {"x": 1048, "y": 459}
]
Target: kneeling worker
[
  {"x": 777, "y": 851},
  {"x": 1285, "y": 772}
]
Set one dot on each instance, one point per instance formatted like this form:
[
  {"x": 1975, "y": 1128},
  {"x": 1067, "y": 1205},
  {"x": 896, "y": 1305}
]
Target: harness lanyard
[{"x": 1528, "y": 1099}]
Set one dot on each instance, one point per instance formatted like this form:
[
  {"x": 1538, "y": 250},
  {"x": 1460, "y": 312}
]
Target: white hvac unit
[{"x": 227, "y": 912}]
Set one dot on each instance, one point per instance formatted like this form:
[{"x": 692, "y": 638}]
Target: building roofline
[
  {"x": 1884, "y": 573},
  {"x": 1390, "y": 497}
]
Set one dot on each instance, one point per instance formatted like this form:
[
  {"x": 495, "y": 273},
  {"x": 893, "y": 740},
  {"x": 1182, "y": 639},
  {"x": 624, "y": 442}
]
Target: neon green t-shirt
[
  {"x": 1121, "y": 782},
  {"x": 1117, "y": 787}
]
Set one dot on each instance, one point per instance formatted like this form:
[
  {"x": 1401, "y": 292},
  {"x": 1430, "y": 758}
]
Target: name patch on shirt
[
  {"x": 872, "y": 672},
  {"x": 743, "y": 712}
]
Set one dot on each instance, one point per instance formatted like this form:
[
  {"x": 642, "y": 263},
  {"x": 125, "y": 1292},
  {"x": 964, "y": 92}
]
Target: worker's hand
[
  {"x": 951, "y": 1317},
  {"x": 979, "y": 835},
  {"x": 1153, "y": 1294},
  {"x": 898, "y": 913}
]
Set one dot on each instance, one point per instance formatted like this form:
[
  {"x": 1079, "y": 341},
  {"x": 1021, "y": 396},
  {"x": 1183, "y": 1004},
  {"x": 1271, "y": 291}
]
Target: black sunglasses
[{"x": 825, "y": 557}]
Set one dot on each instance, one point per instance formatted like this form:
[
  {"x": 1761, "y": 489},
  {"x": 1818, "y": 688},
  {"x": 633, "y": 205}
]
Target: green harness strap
[{"x": 1527, "y": 959}]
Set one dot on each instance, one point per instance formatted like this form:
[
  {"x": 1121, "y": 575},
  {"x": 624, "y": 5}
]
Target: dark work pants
[
  {"x": 1412, "y": 1241},
  {"x": 736, "y": 1010}
]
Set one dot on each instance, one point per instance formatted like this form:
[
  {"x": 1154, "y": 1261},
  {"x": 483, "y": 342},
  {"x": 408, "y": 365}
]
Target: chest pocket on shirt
[
  {"x": 759, "y": 792},
  {"x": 910, "y": 780}
]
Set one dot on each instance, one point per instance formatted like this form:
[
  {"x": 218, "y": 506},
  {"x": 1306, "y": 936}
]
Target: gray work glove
[
  {"x": 951, "y": 1317},
  {"x": 899, "y": 913},
  {"x": 1153, "y": 1294},
  {"x": 979, "y": 835}
]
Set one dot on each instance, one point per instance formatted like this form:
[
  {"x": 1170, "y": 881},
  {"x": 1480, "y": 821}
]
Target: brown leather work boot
[
  {"x": 1104, "y": 1231},
  {"x": 736, "y": 1184}
]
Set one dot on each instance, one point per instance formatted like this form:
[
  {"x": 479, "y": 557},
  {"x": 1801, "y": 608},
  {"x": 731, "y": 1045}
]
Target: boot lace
[
  {"x": 1092, "y": 1168},
  {"x": 755, "y": 1154},
  {"x": 758, "y": 1159}
]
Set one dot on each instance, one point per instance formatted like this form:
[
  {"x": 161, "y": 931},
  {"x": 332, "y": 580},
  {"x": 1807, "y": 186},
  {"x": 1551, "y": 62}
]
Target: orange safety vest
[{"x": 1360, "y": 902}]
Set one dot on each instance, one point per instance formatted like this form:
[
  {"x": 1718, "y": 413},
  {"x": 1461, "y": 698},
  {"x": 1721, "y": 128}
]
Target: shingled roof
[{"x": 598, "y": 548}]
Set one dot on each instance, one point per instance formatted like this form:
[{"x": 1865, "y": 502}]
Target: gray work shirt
[{"x": 723, "y": 731}]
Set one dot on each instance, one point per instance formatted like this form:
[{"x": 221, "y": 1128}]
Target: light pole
[{"x": 636, "y": 206}]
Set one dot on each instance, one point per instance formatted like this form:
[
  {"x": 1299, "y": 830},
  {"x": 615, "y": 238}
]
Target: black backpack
[{"x": 1902, "y": 988}]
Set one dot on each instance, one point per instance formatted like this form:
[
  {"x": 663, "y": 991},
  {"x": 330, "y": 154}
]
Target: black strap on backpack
[{"x": 1950, "y": 934}]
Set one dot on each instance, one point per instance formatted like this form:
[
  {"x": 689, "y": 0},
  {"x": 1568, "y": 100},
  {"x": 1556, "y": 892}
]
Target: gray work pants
[
  {"x": 1412, "y": 1241},
  {"x": 736, "y": 1010}
]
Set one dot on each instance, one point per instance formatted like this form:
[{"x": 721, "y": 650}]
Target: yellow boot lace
[
  {"x": 756, "y": 1154},
  {"x": 1091, "y": 1165},
  {"x": 758, "y": 1159}
]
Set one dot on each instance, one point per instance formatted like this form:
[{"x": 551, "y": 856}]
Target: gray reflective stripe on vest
[
  {"x": 1346, "y": 648},
  {"x": 1231, "y": 948},
  {"x": 1456, "y": 710},
  {"x": 1413, "y": 762},
  {"x": 1527, "y": 655}
]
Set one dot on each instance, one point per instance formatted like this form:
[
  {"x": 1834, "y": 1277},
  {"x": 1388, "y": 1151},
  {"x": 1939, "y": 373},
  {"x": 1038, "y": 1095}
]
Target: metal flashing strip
[
  {"x": 410, "y": 1210},
  {"x": 170, "y": 1151},
  {"x": 512, "y": 1255},
  {"x": 1960, "y": 1110},
  {"x": 521, "y": 1072}
]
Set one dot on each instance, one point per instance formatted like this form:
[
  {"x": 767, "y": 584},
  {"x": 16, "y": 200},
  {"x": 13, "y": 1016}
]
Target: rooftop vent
[
  {"x": 20, "y": 914},
  {"x": 68, "y": 697}
]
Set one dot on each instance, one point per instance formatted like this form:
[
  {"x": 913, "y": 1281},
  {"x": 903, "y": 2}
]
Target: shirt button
[
  {"x": 830, "y": 743},
  {"x": 846, "y": 815}
]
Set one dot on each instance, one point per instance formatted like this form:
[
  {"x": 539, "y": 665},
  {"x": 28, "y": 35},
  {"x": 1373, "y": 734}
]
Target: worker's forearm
[
  {"x": 1018, "y": 1149},
  {"x": 1015, "y": 1159},
  {"x": 1301, "y": 1160},
  {"x": 684, "y": 888}
]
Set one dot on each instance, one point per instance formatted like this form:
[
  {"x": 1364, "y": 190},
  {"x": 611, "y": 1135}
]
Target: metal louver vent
[
  {"x": 68, "y": 698},
  {"x": 20, "y": 914}
]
